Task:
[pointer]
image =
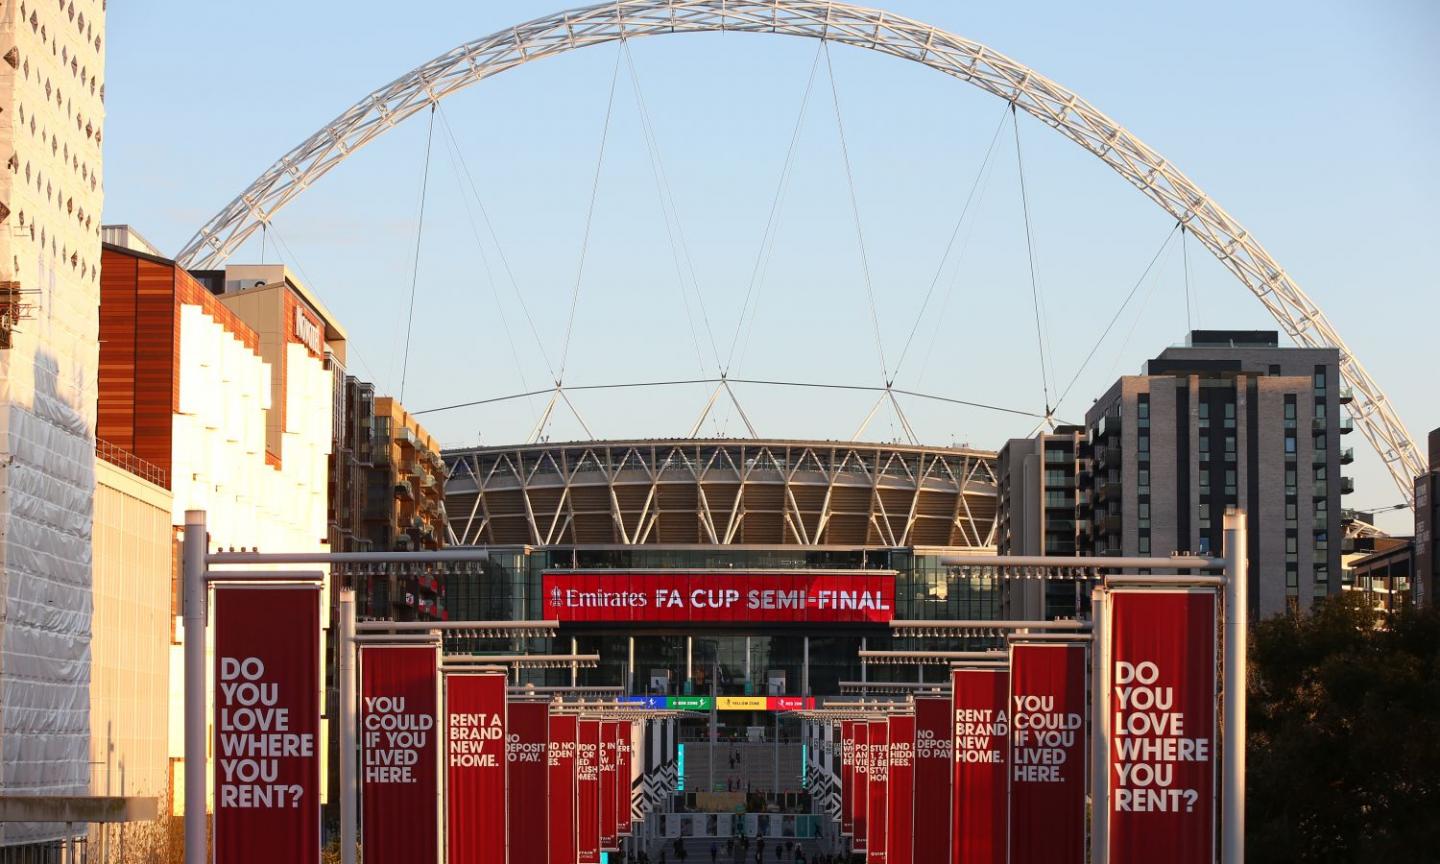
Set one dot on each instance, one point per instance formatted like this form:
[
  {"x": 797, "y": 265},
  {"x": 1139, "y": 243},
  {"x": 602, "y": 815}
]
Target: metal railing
[{"x": 122, "y": 458}]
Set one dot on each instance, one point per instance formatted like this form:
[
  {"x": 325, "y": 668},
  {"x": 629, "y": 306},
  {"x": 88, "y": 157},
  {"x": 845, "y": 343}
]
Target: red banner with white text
[
  {"x": 609, "y": 818},
  {"x": 624, "y": 758},
  {"x": 1048, "y": 748},
  {"x": 475, "y": 767},
  {"x": 980, "y": 726},
  {"x": 560, "y": 788},
  {"x": 587, "y": 793},
  {"x": 863, "y": 596},
  {"x": 860, "y": 782},
  {"x": 847, "y": 777},
  {"x": 1162, "y": 724},
  {"x": 934, "y": 743},
  {"x": 267, "y": 724},
  {"x": 399, "y": 753},
  {"x": 900, "y": 833},
  {"x": 877, "y": 773},
  {"x": 526, "y": 743}
]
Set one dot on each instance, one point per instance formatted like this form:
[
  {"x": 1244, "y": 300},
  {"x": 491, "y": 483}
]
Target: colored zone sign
[
  {"x": 723, "y": 703},
  {"x": 862, "y": 596}
]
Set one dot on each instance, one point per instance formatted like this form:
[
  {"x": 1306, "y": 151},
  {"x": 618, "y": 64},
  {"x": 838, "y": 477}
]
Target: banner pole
[
  {"x": 193, "y": 614},
  {"x": 345, "y": 666},
  {"x": 1100, "y": 732},
  {"x": 1237, "y": 613}
]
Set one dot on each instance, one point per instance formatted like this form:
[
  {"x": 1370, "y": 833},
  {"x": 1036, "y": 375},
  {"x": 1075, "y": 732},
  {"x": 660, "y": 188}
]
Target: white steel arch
[{"x": 873, "y": 29}]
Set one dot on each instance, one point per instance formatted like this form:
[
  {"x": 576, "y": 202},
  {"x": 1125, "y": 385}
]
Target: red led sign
[{"x": 864, "y": 596}]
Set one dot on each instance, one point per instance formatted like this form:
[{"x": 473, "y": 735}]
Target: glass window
[
  {"x": 1144, "y": 545},
  {"x": 1143, "y": 444},
  {"x": 1320, "y": 380},
  {"x": 1319, "y": 410},
  {"x": 1319, "y": 473},
  {"x": 1289, "y": 410},
  {"x": 1289, "y": 443},
  {"x": 1291, "y": 544},
  {"x": 1229, "y": 443},
  {"x": 1290, "y": 511}
]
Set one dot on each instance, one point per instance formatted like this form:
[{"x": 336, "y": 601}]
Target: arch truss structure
[{"x": 972, "y": 62}]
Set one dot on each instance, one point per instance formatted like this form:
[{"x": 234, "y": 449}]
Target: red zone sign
[{"x": 864, "y": 596}]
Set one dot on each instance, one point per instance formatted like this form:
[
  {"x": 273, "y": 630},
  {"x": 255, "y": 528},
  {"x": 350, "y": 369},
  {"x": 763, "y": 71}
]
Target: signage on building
[
  {"x": 933, "y": 745},
  {"x": 267, "y": 724},
  {"x": 308, "y": 332},
  {"x": 866, "y": 597},
  {"x": 560, "y": 767},
  {"x": 475, "y": 767},
  {"x": 980, "y": 725},
  {"x": 526, "y": 746},
  {"x": 877, "y": 780},
  {"x": 399, "y": 752},
  {"x": 1162, "y": 724},
  {"x": 1047, "y": 749},
  {"x": 625, "y": 747}
]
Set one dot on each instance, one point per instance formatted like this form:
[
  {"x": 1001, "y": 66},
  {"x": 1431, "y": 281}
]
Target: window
[
  {"x": 1289, "y": 481},
  {"x": 1320, "y": 379},
  {"x": 1144, "y": 545},
  {"x": 1229, "y": 443},
  {"x": 1290, "y": 512},
  {"x": 1320, "y": 444},
  {"x": 1290, "y": 444},
  {"x": 1292, "y": 545},
  {"x": 1143, "y": 478},
  {"x": 1230, "y": 481},
  {"x": 1204, "y": 447},
  {"x": 1205, "y": 481},
  {"x": 1055, "y": 477},
  {"x": 1143, "y": 444},
  {"x": 1289, "y": 408},
  {"x": 1229, "y": 415},
  {"x": 1320, "y": 474},
  {"x": 1319, "y": 410},
  {"x": 1204, "y": 415},
  {"x": 1144, "y": 514}
]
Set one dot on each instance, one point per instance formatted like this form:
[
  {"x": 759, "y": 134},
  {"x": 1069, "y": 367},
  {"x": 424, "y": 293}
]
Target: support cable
[
  {"x": 456, "y": 160},
  {"x": 950, "y": 245},
  {"x": 767, "y": 237},
  {"x": 419, "y": 234},
  {"x": 766, "y": 382},
  {"x": 1030, "y": 249},
  {"x": 495, "y": 241},
  {"x": 855, "y": 213},
  {"x": 678, "y": 248},
  {"x": 589, "y": 219},
  {"x": 1185, "y": 257},
  {"x": 668, "y": 196},
  {"x": 1118, "y": 312}
]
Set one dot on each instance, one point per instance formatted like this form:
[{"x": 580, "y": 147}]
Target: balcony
[
  {"x": 1347, "y": 485},
  {"x": 405, "y": 438},
  {"x": 1346, "y": 425},
  {"x": 1347, "y": 455},
  {"x": 1347, "y": 395},
  {"x": 1107, "y": 489},
  {"x": 404, "y": 490},
  {"x": 1111, "y": 524}
]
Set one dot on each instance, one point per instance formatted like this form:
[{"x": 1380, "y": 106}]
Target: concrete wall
[
  {"x": 51, "y": 115},
  {"x": 129, "y": 680}
]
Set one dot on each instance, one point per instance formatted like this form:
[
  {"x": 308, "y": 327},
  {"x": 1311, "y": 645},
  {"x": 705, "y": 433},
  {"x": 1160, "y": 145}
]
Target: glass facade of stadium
[{"x": 679, "y": 658}]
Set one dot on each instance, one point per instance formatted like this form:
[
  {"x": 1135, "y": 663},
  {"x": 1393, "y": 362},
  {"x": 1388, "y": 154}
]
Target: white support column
[
  {"x": 196, "y": 545},
  {"x": 345, "y": 669},
  {"x": 1100, "y": 727},
  {"x": 1235, "y": 646}
]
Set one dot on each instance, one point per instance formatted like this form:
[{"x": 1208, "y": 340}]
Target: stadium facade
[{"x": 730, "y": 568}]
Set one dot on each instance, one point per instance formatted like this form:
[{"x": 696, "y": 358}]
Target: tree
[{"x": 1344, "y": 744}]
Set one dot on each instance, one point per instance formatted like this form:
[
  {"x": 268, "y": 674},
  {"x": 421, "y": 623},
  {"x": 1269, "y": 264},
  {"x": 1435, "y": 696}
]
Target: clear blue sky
[{"x": 1312, "y": 122}]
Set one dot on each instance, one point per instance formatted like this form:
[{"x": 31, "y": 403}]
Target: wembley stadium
[{"x": 746, "y": 576}]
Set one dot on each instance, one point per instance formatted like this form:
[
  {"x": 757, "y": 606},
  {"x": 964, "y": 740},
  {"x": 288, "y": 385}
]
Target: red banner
[
  {"x": 720, "y": 596},
  {"x": 399, "y": 753},
  {"x": 980, "y": 726},
  {"x": 587, "y": 793},
  {"x": 860, "y": 783},
  {"x": 267, "y": 724},
  {"x": 526, "y": 744},
  {"x": 475, "y": 767},
  {"x": 900, "y": 833},
  {"x": 934, "y": 743},
  {"x": 624, "y": 750},
  {"x": 561, "y": 788},
  {"x": 1048, "y": 746},
  {"x": 609, "y": 819},
  {"x": 877, "y": 773},
  {"x": 1162, "y": 726},
  {"x": 847, "y": 777}
]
